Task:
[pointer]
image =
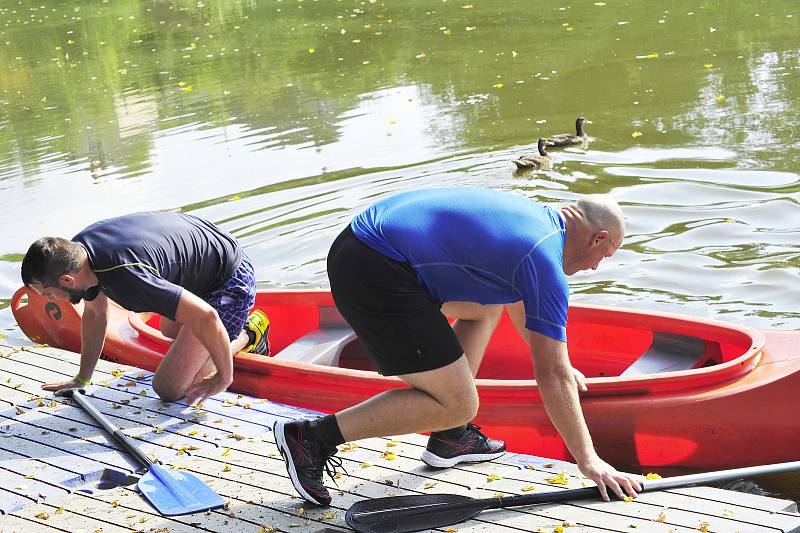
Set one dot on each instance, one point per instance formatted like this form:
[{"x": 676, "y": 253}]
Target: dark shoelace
[
  {"x": 477, "y": 429},
  {"x": 331, "y": 466}
]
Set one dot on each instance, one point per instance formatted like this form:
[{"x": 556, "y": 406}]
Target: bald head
[
  {"x": 601, "y": 212},
  {"x": 595, "y": 229}
]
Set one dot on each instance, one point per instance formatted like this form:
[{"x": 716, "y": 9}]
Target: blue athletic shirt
[
  {"x": 144, "y": 260},
  {"x": 477, "y": 245}
]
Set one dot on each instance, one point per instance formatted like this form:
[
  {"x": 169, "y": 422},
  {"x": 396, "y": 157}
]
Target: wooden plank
[
  {"x": 88, "y": 518},
  {"x": 742, "y": 499}
]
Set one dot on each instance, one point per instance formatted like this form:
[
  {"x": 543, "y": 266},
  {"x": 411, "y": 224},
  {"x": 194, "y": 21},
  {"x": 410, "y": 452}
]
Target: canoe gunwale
[
  {"x": 137, "y": 330},
  {"x": 599, "y": 386}
]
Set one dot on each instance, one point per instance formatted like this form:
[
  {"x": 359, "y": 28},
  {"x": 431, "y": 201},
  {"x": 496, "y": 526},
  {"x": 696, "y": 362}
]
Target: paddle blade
[
  {"x": 175, "y": 492},
  {"x": 399, "y": 514}
]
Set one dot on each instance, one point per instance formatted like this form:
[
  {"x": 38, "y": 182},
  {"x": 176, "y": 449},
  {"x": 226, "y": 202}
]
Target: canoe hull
[{"x": 738, "y": 413}]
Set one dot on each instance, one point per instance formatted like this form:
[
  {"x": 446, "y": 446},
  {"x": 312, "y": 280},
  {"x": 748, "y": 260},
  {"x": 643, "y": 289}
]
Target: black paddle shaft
[
  {"x": 123, "y": 440},
  {"x": 401, "y": 514}
]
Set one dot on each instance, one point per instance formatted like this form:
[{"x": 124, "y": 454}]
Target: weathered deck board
[{"x": 47, "y": 447}]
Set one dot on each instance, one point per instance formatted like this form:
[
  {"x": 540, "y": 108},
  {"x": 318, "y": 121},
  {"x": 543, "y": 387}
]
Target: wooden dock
[{"x": 60, "y": 472}]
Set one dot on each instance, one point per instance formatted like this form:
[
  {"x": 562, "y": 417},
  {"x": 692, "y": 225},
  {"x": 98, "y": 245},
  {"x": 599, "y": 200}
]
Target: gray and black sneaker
[
  {"x": 471, "y": 447},
  {"x": 306, "y": 460}
]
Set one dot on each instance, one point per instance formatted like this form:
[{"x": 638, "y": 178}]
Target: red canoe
[{"x": 664, "y": 390}]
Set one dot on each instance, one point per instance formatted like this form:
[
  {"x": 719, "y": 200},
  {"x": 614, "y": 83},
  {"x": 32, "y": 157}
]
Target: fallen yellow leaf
[{"x": 559, "y": 479}]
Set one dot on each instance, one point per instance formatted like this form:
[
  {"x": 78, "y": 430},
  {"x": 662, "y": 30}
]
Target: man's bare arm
[
  {"x": 93, "y": 336},
  {"x": 557, "y": 386},
  {"x": 204, "y": 323}
]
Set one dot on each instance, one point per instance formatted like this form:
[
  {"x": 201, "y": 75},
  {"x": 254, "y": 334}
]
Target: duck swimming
[
  {"x": 541, "y": 161},
  {"x": 568, "y": 139}
]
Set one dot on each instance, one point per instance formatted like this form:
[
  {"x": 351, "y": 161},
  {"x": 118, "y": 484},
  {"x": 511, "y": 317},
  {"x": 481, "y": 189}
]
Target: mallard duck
[
  {"x": 540, "y": 161},
  {"x": 567, "y": 139}
]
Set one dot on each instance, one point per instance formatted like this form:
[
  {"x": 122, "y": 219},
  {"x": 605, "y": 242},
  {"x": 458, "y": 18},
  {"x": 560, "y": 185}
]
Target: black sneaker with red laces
[
  {"x": 306, "y": 460},
  {"x": 471, "y": 446}
]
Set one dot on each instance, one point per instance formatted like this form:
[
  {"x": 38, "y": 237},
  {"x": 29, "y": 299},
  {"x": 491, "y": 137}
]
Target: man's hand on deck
[
  {"x": 203, "y": 390},
  {"x": 606, "y": 476}
]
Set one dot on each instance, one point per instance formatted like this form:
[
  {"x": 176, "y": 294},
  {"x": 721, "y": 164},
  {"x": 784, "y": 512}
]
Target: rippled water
[{"x": 280, "y": 120}]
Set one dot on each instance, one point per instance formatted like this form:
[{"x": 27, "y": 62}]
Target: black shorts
[{"x": 393, "y": 314}]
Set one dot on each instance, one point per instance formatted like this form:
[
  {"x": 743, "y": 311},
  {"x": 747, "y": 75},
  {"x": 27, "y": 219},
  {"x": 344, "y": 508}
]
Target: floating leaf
[
  {"x": 720, "y": 98},
  {"x": 636, "y": 134},
  {"x": 708, "y": 65}
]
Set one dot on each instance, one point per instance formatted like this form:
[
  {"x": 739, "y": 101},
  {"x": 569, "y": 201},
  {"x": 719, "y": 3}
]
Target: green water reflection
[{"x": 87, "y": 83}]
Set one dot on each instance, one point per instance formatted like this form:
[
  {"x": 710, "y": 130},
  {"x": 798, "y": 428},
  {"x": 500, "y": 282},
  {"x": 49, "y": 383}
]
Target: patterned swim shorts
[{"x": 234, "y": 300}]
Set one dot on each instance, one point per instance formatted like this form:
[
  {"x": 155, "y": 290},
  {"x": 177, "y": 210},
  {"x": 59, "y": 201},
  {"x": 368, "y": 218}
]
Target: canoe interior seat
[
  {"x": 670, "y": 352},
  {"x": 322, "y": 346}
]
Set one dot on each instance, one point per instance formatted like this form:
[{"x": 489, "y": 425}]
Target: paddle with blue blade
[
  {"x": 171, "y": 492},
  {"x": 417, "y": 512}
]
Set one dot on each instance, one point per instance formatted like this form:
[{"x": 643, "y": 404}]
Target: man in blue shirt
[
  {"x": 184, "y": 268},
  {"x": 405, "y": 264}
]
